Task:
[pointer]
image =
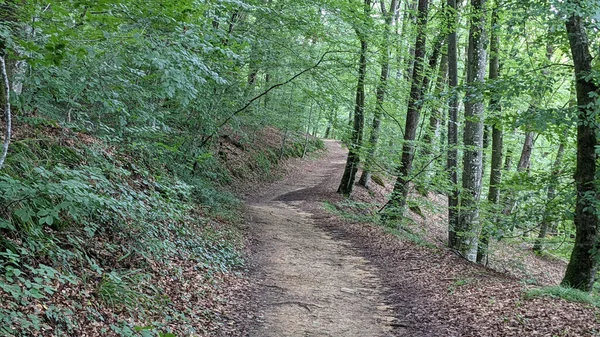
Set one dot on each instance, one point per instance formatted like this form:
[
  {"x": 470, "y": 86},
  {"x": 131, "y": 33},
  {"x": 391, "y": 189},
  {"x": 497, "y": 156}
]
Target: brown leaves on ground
[{"x": 435, "y": 292}]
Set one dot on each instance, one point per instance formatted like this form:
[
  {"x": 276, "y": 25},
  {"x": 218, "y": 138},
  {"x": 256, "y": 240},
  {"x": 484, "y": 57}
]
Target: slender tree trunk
[
  {"x": 347, "y": 183},
  {"x": 310, "y": 112},
  {"x": 329, "y": 126},
  {"x": 400, "y": 192},
  {"x": 267, "y": 97},
  {"x": 525, "y": 159},
  {"x": 508, "y": 159},
  {"x": 581, "y": 271},
  {"x": 408, "y": 21},
  {"x": 285, "y": 133},
  {"x": 468, "y": 220},
  {"x": 316, "y": 124},
  {"x": 524, "y": 162},
  {"x": 430, "y": 139},
  {"x": 496, "y": 165},
  {"x": 413, "y": 20},
  {"x": 7, "y": 112},
  {"x": 379, "y": 95},
  {"x": 452, "y": 125}
]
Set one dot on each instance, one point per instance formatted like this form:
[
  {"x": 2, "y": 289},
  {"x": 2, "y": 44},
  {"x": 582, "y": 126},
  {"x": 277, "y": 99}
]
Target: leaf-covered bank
[{"x": 98, "y": 239}]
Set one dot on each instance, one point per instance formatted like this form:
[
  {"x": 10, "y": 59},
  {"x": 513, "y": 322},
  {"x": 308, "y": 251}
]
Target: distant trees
[{"x": 529, "y": 98}]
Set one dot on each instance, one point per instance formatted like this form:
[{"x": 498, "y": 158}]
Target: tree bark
[
  {"x": 508, "y": 159},
  {"x": 452, "y": 161},
  {"x": 347, "y": 183},
  {"x": 379, "y": 95},
  {"x": 7, "y": 112},
  {"x": 497, "y": 136},
  {"x": 468, "y": 219},
  {"x": 309, "y": 122},
  {"x": 581, "y": 271},
  {"x": 400, "y": 192},
  {"x": 525, "y": 159}
]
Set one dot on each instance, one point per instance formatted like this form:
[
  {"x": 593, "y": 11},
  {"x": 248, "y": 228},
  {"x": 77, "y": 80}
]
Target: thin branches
[{"x": 249, "y": 103}]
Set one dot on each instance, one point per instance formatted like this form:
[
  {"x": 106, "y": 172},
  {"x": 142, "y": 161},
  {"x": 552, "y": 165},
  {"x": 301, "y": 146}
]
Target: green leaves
[{"x": 25, "y": 214}]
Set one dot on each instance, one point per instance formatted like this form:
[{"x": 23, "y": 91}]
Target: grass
[
  {"x": 568, "y": 294},
  {"x": 354, "y": 211},
  {"x": 458, "y": 283},
  {"x": 410, "y": 236}
]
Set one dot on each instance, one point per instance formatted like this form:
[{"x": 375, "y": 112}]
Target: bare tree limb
[
  {"x": 7, "y": 114},
  {"x": 249, "y": 103}
]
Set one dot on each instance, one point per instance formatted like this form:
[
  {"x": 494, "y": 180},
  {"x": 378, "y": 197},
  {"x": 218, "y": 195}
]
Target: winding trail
[{"x": 308, "y": 282}]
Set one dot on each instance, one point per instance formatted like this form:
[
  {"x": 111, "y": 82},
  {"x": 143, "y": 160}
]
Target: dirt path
[
  {"x": 307, "y": 282},
  {"x": 314, "y": 274}
]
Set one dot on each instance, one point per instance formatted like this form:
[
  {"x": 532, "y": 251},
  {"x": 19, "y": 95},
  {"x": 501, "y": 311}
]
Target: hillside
[{"x": 113, "y": 244}]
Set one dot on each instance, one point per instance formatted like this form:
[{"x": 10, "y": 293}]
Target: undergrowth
[
  {"x": 361, "y": 212},
  {"x": 96, "y": 235},
  {"x": 569, "y": 294}
]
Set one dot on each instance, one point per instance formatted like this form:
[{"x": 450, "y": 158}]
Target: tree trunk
[
  {"x": 452, "y": 124},
  {"x": 328, "y": 130},
  {"x": 525, "y": 159},
  {"x": 308, "y": 129},
  {"x": 468, "y": 219},
  {"x": 431, "y": 137},
  {"x": 524, "y": 162},
  {"x": 508, "y": 159},
  {"x": 379, "y": 95},
  {"x": 347, "y": 183},
  {"x": 316, "y": 124},
  {"x": 400, "y": 192},
  {"x": 267, "y": 84},
  {"x": 581, "y": 271},
  {"x": 407, "y": 21},
  {"x": 496, "y": 165}
]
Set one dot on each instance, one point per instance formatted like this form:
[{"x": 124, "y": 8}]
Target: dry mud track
[{"x": 307, "y": 282}]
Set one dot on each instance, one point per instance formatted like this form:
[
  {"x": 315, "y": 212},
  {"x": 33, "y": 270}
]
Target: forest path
[{"x": 309, "y": 283}]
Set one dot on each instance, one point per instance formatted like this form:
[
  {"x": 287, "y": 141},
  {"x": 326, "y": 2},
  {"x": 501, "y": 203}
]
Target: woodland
[{"x": 133, "y": 130}]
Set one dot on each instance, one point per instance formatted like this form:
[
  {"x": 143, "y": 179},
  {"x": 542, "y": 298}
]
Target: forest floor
[{"x": 312, "y": 273}]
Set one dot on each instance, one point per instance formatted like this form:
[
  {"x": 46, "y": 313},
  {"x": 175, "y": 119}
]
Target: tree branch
[{"x": 247, "y": 105}]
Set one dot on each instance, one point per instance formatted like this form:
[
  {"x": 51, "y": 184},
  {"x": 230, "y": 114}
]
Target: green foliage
[
  {"x": 409, "y": 235},
  {"x": 151, "y": 85},
  {"x": 74, "y": 213},
  {"x": 352, "y": 211},
  {"x": 360, "y": 212},
  {"x": 565, "y": 293},
  {"x": 126, "y": 289}
]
